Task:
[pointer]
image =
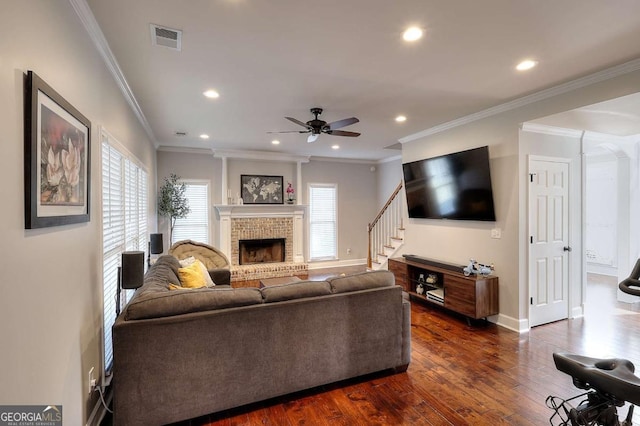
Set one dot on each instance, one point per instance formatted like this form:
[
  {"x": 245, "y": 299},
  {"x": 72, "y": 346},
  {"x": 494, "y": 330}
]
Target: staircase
[{"x": 386, "y": 232}]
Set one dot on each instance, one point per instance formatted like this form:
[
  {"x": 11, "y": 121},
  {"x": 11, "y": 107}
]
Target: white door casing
[{"x": 548, "y": 239}]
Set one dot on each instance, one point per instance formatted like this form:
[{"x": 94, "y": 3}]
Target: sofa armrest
[{"x": 220, "y": 276}]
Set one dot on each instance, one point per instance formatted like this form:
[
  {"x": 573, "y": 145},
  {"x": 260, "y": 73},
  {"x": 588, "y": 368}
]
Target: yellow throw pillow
[{"x": 191, "y": 276}]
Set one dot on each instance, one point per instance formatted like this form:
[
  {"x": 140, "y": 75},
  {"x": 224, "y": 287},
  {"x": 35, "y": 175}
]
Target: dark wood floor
[{"x": 461, "y": 374}]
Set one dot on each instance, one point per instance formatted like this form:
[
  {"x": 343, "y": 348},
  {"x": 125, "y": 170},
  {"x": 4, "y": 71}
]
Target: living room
[{"x": 52, "y": 303}]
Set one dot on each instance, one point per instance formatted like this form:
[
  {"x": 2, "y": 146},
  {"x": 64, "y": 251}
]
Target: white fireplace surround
[{"x": 294, "y": 211}]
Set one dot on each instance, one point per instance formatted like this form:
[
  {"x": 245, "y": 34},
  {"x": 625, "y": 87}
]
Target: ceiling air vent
[{"x": 167, "y": 37}]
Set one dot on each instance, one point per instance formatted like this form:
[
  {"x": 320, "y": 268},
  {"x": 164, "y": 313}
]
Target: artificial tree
[{"x": 172, "y": 201}]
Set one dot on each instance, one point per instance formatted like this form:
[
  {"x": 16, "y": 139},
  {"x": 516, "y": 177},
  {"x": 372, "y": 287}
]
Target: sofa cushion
[
  {"x": 362, "y": 281},
  {"x": 297, "y": 290},
  {"x": 162, "y": 273},
  {"x": 156, "y": 304}
]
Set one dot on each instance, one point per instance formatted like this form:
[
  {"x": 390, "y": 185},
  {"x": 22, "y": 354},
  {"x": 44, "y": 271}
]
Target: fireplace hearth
[{"x": 263, "y": 250}]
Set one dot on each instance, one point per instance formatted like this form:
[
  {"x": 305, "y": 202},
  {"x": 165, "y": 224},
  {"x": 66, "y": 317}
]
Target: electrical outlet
[
  {"x": 496, "y": 233},
  {"x": 348, "y": 251},
  {"x": 92, "y": 381}
]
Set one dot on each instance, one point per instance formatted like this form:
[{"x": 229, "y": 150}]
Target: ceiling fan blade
[
  {"x": 312, "y": 137},
  {"x": 342, "y": 133},
  {"x": 292, "y": 131},
  {"x": 298, "y": 122},
  {"x": 342, "y": 123}
]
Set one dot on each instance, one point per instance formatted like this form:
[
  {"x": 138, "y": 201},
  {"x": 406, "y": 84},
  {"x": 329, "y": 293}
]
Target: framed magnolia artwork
[{"x": 57, "y": 158}]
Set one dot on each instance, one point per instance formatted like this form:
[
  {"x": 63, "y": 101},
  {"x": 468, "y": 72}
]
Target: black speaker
[
  {"x": 156, "y": 245},
  {"x": 132, "y": 269}
]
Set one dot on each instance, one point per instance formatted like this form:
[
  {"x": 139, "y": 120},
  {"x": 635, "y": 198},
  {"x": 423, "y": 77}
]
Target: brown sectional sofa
[{"x": 185, "y": 353}]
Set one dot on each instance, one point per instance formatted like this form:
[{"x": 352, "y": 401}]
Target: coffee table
[{"x": 266, "y": 282}]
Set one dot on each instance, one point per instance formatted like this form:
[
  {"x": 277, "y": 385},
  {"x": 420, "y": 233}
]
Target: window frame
[
  {"x": 207, "y": 184},
  {"x": 128, "y": 166},
  {"x": 333, "y": 256}
]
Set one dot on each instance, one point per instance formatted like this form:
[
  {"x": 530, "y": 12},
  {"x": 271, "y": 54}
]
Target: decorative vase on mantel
[{"x": 290, "y": 191}]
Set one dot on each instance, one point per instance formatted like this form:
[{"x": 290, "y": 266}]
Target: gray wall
[
  {"x": 457, "y": 242},
  {"x": 357, "y": 190},
  {"x": 51, "y": 297},
  {"x": 357, "y": 202},
  {"x": 389, "y": 175},
  {"x": 200, "y": 166}
]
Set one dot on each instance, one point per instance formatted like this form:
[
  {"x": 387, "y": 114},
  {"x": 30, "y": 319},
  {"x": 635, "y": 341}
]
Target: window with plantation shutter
[
  {"x": 124, "y": 228},
  {"x": 322, "y": 222},
  {"x": 196, "y": 225}
]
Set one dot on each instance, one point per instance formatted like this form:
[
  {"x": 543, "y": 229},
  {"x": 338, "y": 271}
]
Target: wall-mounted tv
[{"x": 454, "y": 186}]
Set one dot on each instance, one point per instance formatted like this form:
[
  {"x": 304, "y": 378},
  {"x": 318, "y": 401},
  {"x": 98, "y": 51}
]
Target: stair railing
[{"x": 385, "y": 225}]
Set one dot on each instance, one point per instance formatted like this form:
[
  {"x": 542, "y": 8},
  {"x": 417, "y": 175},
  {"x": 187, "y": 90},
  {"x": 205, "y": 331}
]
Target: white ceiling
[{"x": 271, "y": 59}]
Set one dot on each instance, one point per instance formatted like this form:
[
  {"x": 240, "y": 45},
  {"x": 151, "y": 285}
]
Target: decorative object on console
[
  {"x": 290, "y": 191},
  {"x": 172, "y": 201},
  {"x": 477, "y": 268},
  {"x": 130, "y": 274},
  {"x": 156, "y": 246},
  {"x": 57, "y": 158},
  {"x": 259, "y": 189}
]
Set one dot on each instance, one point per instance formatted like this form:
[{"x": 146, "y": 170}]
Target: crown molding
[
  {"x": 185, "y": 150},
  {"x": 260, "y": 155},
  {"x": 551, "y": 130},
  {"x": 85, "y": 14},
  {"x": 343, "y": 160},
  {"x": 594, "y": 78},
  {"x": 389, "y": 159}
]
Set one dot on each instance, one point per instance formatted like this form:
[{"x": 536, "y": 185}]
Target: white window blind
[
  {"x": 196, "y": 225},
  {"x": 124, "y": 228},
  {"x": 322, "y": 222}
]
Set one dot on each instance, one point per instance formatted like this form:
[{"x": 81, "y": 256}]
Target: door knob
[{"x": 567, "y": 248}]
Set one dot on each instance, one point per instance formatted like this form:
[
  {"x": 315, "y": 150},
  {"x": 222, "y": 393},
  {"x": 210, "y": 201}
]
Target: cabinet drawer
[{"x": 460, "y": 296}]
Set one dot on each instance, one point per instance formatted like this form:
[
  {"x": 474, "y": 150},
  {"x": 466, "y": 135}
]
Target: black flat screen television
[{"x": 454, "y": 186}]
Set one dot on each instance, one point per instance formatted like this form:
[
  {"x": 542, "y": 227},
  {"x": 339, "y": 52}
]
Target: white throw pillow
[
  {"x": 187, "y": 261},
  {"x": 205, "y": 272}
]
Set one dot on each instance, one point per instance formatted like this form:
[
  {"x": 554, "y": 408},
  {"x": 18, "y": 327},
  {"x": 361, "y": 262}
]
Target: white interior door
[{"x": 548, "y": 240}]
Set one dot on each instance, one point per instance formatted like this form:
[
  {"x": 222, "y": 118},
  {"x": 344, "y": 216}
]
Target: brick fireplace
[{"x": 263, "y": 222}]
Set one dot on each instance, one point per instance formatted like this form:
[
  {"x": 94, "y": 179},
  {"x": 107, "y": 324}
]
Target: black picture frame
[
  {"x": 57, "y": 158},
  {"x": 262, "y": 189}
]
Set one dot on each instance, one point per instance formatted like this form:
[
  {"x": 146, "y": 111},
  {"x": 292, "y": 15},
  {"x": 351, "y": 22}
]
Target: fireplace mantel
[
  {"x": 260, "y": 210},
  {"x": 229, "y": 212}
]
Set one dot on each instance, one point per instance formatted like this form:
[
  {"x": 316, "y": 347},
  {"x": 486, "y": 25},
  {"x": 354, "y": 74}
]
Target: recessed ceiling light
[
  {"x": 211, "y": 94},
  {"x": 401, "y": 118},
  {"x": 335, "y": 147},
  {"x": 204, "y": 136},
  {"x": 275, "y": 142},
  {"x": 527, "y": 64},
  {"x": 412, "y": 34}
]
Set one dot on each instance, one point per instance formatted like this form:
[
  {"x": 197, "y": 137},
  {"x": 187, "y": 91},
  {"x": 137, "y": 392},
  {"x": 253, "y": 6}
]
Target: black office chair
[{"x": 631, "y": 285}]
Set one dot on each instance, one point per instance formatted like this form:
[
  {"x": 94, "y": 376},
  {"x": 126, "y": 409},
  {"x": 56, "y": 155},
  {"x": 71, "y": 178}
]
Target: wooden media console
[{"x": 473, "y": 296}]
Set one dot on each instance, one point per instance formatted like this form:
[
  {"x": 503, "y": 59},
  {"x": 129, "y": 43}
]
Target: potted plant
[{"x": 172, "y": 201}]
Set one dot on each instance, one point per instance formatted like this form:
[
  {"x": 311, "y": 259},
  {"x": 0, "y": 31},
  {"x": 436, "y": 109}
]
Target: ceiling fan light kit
[{"x": 317, "y": 126}]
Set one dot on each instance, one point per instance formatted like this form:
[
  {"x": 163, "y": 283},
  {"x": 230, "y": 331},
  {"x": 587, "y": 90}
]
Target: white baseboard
[
  {"x": 577, "y": 312},
  {"x": 595, "y": 268},
  {"x": 513, "y": 324},
  {"x": 336, "y": 263}
]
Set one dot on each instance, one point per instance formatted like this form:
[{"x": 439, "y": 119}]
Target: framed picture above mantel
[
  {"x": 57, "y": 161},
  {"x": 261, "y": 189}
]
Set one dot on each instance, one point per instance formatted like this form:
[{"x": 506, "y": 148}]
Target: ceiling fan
[{"x": 317, "y": 126}]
